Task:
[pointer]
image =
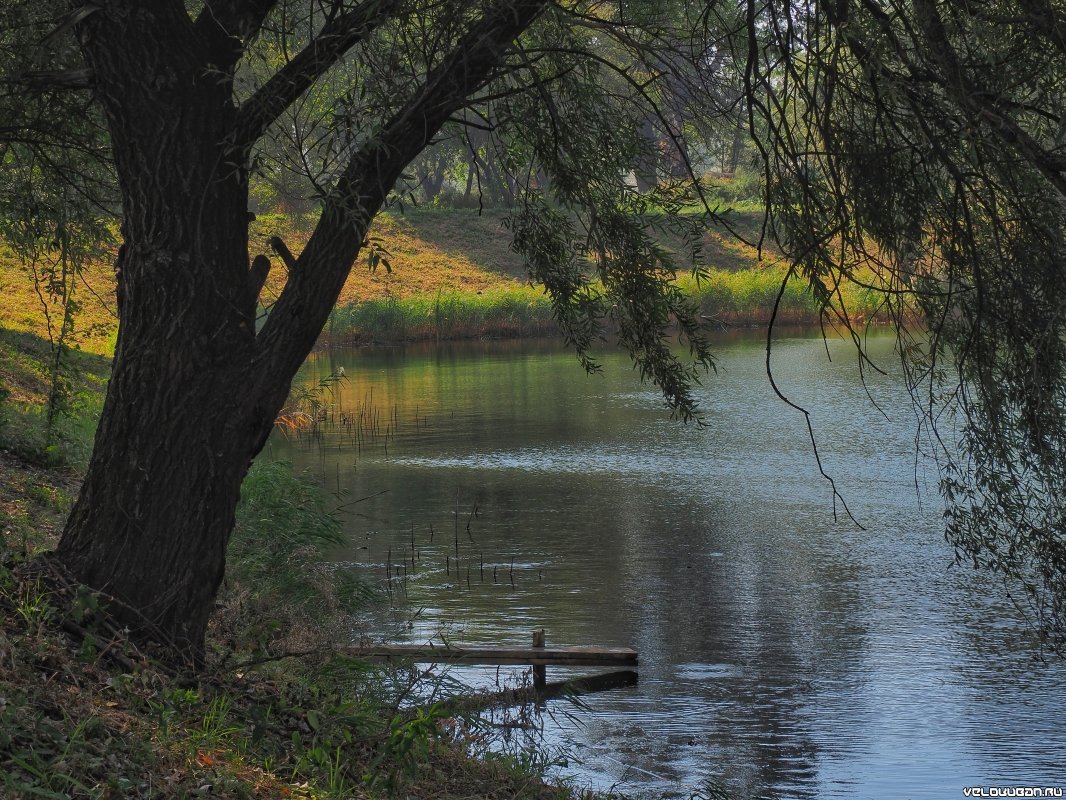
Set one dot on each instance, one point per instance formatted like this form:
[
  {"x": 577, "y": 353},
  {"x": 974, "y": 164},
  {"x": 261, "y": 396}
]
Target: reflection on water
[{"x": 783, "y": 653}]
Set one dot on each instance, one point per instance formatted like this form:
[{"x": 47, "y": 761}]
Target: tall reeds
[
  {"x": 495, "y": 313},
  {"x": 747, "y": 297},
  {"x": 732, "y": 297}
]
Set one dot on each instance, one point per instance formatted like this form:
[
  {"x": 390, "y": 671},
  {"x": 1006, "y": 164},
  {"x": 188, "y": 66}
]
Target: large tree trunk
[
  {"x": 152, "y": 521},
  {"x": 176, "y": 434},
  {"x": 194, "y": 389}
]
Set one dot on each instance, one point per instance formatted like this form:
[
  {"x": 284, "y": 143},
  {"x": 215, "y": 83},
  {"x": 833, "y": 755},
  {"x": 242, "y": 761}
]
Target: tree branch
[
  {"x": 323, "y": 266},
  {"x": 228, "y": 25},
  {"x": 257, "y": 275},
  {"x": 282, "y": 249},
  {"x": 335, "y": 39},
  {"x": 975, "y": 100},
  {"x": 58, "y": 79}
]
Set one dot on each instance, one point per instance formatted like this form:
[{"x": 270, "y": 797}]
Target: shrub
[{"x": 277, "y": 575}]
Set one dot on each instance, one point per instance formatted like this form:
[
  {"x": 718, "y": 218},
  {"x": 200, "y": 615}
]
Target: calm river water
[{"x": 782, "y": 653}]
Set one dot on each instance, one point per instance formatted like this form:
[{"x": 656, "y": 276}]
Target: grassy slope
[
  {"x": 462, "y": 251},
  {"x": 22, "y": 308},
  {"x": 452, "y": 275},
  {"x": 429, "y": 251}
]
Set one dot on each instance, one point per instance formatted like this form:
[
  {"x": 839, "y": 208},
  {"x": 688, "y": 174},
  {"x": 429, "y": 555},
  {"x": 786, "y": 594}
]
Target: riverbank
[
  {"x": 445, "y": 275},
  {"x": 277, "y": 713},
  {"x": 741, "y": 299},
  {"x": 453, "y": 276}
]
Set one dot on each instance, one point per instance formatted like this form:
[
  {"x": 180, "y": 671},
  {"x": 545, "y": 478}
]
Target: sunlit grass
[
  {"x": 514, "y": 311},
  {"x": 451, "y": 274},
  {"x": 727, "y": 297},
  {"x": 22, "y": 307},
  {"x": 747, "y": 297}
]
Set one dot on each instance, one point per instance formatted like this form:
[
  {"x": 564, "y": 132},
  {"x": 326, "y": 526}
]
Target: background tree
[
  {"x": 921, "y": 146},
  {"x": 56, "y": 188},
  {"x": 198, "y": 96}
]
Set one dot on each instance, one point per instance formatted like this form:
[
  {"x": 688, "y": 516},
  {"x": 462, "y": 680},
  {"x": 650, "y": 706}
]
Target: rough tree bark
[{"x": 194, "y": 391}]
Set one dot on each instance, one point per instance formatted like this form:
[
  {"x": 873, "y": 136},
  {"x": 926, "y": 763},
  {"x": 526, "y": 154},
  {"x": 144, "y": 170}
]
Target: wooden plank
[
  {"x": 481, "y": 654},
  {"x": 530, "y": 694}
]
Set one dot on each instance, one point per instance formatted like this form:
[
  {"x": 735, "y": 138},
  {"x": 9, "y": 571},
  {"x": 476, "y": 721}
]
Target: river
[{"x": 784, "y": 651}]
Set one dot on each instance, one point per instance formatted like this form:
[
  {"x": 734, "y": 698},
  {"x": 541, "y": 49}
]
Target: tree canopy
[
  {"x": 182, "y": 106},
  {"x": 920, "y": 146},
  {"x": 915, "y": 146}
]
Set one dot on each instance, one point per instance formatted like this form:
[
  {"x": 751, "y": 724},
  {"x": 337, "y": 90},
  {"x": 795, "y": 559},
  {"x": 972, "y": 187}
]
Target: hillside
[{"x": 431, "y": 253}]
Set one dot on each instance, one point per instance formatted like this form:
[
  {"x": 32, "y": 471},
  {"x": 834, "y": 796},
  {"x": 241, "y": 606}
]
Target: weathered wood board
[{"x": 481, "y": 654}]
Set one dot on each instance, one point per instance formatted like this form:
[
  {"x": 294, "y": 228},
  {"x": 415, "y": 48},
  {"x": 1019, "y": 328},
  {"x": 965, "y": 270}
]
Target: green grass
[
  {"x": 747, "y": 297},
  {"x": 275, "y": 580},
  {"x": 26, "y": 382},
  {"x": 727, "y": 297},
  {"x": 508, "y": 312}
]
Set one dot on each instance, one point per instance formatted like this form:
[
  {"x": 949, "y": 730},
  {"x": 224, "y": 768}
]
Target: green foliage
[
  {"x": 215, "y": 729},
  {"x": 66, "y": 443},
  {"x": 277, "y": 576},
  {"x": 167, "y": 707},
  {"x": 47, "y": 774},
  {"x": 55, "y": 182},
  {"x": 521, "y": 311},
  {"x": 407, "y": 744},
  {"x": 24, "y": 426},
  {"x": 32, "y": 604},
  {"x": 750, "y": 296},
  {"x": 279, "y": 515},
  {"x": 745, "y": 190},
  {"x": 585, "y": 140},
  {"x": 920, "y": 150}
]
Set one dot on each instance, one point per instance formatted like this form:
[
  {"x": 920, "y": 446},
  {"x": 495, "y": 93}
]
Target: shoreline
[
  {"x": 398, "y": 331},
  {"x": 743, "y": 298},
  {"x": 299, "y": 721}
]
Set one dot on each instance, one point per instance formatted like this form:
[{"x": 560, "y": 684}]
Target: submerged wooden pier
[
  {"x": 480, "y": 654},
  {"x": 538, "y": 656}
]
